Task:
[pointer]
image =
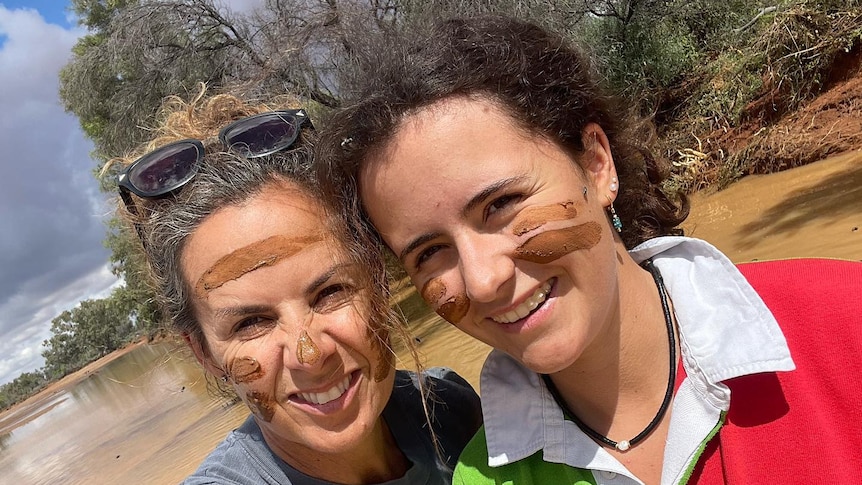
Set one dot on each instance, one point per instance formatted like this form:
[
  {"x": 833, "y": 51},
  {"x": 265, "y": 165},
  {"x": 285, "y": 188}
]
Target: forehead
[{"x": 277, "y": 214}]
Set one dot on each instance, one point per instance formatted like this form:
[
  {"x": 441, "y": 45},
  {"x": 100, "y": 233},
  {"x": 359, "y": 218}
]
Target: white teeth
[
  {"x": 324, "y": 397},
  {"x": 525, "y": 308}
]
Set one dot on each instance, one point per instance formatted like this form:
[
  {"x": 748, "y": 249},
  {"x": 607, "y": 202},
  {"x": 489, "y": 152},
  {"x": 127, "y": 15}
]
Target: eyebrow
[
  {"x": 320, "y": 280},
  {"x": 238, "y": 311},
  {"x": 489, "y": 191},
  {"x": 416, "y": 243}
]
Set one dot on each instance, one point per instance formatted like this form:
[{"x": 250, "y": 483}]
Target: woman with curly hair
[
  {"x": 284, "y": 306},
  {"x": 528, "y": 211}
]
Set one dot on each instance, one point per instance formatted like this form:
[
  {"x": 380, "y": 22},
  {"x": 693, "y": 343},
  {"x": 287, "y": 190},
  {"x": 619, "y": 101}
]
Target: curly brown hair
[{"x": 546, "y": 84}]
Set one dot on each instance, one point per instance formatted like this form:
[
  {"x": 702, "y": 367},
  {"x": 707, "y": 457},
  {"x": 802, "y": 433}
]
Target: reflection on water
[
  {"x": 144, "y": 418},
  {"x": 147, "y": 418}
]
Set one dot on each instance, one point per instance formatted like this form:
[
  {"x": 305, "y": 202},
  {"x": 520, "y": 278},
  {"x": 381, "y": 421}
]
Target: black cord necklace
[{"x": 668, "y": 394}]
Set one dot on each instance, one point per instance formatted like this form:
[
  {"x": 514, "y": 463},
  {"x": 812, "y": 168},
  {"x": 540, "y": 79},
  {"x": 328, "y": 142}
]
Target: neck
[
  {"x": 376, "y": 459},
  {"x": 619, "y": 382}
]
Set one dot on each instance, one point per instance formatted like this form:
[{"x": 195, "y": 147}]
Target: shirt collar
[{"x": 725, "y": 330}]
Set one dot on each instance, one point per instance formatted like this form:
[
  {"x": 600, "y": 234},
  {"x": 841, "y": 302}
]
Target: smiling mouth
[
  {"x": 330, "y": 395},
  {"x": 529, "y": 306}
]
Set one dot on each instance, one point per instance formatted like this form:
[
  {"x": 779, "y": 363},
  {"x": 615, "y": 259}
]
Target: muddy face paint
[
  {"x": 552, "y": 245},
  {"x": 533, "y": 218},
  {"x": 453, "y": 309},
  {"x": 261, "y": 405},
  {"x": 386, "y": 356},
  {"x": 307, "y": 351},
  {"x": 433, "y": 291},
  {"x": 249, "y": 258},
  {"x": 245, "y": 369}
]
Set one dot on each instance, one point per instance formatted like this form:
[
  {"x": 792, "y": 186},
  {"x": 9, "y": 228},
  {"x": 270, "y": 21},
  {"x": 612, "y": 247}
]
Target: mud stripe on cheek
[
  {"x": 261, "y": 405},
  {"x": 249, "y": 258},
  {"x": 433, "y": 291},
  {"x": 387, "y": 357},
  {"x": 245, "y": 369},
  {"x": 452, "y": 310},
  {"x": 533, "y": 218},
  {"x": 552, "y": 245},
  {"x": 455, "y": 308}
]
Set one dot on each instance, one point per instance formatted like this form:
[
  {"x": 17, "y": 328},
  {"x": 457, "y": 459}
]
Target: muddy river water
[{"x": 146, "y": 417}]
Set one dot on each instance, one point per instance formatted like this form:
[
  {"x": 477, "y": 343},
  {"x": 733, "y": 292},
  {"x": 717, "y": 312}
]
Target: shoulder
[
  {"x": 242, "y": 458},
  {"x": 838, "y": 281},
  {"x": 810, "y": 297},
  {"x": 472, "y": 465},
  {"x": 446, "y": 389},
  {"x": 452, "y": 406},
  {"x": 473, "y": 468},
  {"x": 808, "y": 413}
]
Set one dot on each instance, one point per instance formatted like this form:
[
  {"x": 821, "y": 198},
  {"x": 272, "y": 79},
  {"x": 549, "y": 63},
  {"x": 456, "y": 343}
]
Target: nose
[
  {"x": 305, "y": 345},
  {"x": 485, "y": 266}
]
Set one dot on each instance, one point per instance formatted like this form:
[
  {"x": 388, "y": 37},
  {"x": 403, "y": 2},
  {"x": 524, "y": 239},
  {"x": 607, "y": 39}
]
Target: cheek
[
  {"x": 261, "y": 404},
  {"x": 554, "y": 244},
  {"x": 385, "y": 357},
  {"x": 370, "y": 340},
  {"x": 452, "y": 309},
  {"x": 245, "y": 369},
  {"x": 533, "y": 218}
]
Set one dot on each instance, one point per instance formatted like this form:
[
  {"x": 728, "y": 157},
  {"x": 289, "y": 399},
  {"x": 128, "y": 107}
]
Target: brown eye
[
  {"x": 253, "y": 326},
  {"x": 501, "y": 203},
  {"x": 332, "y": 297},
  {"x": 426, "y": 254}
]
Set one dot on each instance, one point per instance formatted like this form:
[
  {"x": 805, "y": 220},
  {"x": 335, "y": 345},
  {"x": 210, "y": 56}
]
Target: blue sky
[
  {"x": 53, "y": 11},
  {"x": 52, "y": 213}
]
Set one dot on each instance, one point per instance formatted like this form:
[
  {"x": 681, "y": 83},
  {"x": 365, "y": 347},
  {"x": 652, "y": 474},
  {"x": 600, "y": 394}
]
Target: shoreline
[{"x": 21, "y": 413}]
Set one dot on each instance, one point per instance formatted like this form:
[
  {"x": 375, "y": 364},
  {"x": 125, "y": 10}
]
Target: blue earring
[{"x": 615, "y": 219}]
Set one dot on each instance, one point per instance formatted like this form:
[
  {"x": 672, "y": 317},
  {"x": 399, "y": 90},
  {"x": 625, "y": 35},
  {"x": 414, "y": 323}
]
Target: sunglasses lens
[
  {"x": 261, "y": 135},
  {"x": 165, "y": 169}
]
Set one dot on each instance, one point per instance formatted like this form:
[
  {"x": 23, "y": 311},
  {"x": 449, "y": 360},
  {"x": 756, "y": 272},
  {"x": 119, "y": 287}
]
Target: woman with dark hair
[
  {"x": 528, "y": 211},
  {"x": 284, "y": 306}
]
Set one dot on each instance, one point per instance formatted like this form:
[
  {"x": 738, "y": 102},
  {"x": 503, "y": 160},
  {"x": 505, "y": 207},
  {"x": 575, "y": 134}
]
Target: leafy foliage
[
  {"x": 81, "y": 335},
  {"x": 21, "y": 387}
]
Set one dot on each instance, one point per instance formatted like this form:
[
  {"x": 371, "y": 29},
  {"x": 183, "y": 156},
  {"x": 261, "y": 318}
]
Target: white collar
[{"x": 725, "y": 330}]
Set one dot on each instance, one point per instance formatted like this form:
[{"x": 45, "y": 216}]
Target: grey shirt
[{"x": 244, "y": 457}]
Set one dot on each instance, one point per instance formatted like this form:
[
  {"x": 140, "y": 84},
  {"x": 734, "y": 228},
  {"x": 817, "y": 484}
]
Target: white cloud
[{"x": 51, "y": 212}]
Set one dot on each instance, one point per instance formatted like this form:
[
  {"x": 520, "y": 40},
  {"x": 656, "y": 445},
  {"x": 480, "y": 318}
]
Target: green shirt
[{"x": 473, "y": 469}]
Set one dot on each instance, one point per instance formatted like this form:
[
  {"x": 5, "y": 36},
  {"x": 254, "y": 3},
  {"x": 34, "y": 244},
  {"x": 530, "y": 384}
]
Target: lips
[
  {"x": 329, "y": 395},
  {"x": 527, "y": 307}
]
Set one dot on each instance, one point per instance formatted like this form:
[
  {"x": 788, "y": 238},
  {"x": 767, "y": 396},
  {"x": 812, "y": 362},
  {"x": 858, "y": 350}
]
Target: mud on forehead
[{"x": 263, "y": 253}]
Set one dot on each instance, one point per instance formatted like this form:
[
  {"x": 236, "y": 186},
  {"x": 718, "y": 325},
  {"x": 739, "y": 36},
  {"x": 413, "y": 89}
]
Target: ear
[
  {"x": 598, "y": 162},
  {"x": 203, "y": 355}
]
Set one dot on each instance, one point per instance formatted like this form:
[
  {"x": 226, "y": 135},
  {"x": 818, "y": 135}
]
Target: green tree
[
  {"x": 91, "y": 330},
  {"x": 21, "y": 387}
]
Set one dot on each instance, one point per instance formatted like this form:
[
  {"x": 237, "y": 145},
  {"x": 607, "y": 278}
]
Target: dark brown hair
[{"x": 546, "y": 84}]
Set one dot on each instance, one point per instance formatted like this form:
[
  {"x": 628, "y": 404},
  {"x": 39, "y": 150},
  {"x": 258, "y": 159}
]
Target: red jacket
[{"x": 803, "y": 426}]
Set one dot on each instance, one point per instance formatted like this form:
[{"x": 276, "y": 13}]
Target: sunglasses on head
[{"x": 166, "y": 169}]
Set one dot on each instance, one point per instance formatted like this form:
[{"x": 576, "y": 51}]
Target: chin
[{"x": 546, "y": 361}]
